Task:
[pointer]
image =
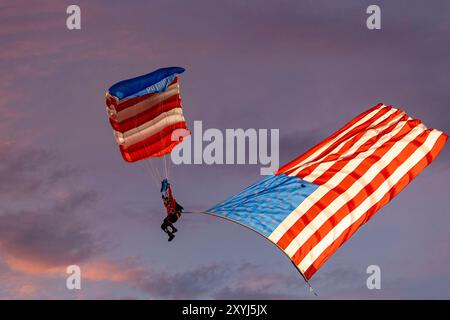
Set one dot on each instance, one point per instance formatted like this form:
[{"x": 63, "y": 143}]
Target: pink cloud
[
  {"x": 99, "y": 270},
  {"x": 28, "y": 290},
  {"x": 30, "y": 265}
]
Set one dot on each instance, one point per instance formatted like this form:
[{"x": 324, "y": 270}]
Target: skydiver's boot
[
  {"x": 171, "y": 236},
  {"x": 174, "y": 229}
]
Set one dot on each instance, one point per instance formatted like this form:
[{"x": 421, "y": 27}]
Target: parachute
[
  {"x": 316, "y": 202},
  {"x": 145, "y": 113}
]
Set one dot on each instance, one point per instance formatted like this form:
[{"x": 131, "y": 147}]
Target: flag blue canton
[{"x": 266, "y": 203}]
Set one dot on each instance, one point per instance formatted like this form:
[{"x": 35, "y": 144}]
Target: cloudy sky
[{"x": 304, "y": 67}]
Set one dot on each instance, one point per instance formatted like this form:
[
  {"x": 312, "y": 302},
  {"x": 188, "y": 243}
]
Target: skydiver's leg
[
  {"x": 172, "y": 218},
  {"x": 168, "y": 226},
  {"x": 170, "y": 232},
  {"x": 172, "y": 228},
  {"x": 164, "y": 225}
]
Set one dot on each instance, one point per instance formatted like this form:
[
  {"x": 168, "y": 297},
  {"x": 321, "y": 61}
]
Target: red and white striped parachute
[{"x": 144, "y": 112}]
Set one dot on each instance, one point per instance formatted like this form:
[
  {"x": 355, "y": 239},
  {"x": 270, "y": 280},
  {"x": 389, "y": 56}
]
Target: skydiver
[{"x": 173, "y": 210}]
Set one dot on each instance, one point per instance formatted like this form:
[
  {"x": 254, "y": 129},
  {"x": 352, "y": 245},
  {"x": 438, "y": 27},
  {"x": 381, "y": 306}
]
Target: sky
[{"x": 303, "y": 67}]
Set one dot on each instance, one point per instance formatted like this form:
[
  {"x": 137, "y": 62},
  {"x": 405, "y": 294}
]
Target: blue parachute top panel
[
  {"x": 265, "y": 204},
  {"x": 153, "y": 82}
]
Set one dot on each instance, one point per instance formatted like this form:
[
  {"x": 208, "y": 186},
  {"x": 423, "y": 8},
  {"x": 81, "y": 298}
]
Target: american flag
[{"x": 316, "y": 202}]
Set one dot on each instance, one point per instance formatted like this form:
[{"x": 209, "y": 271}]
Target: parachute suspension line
[
  {"x": 167, "y": 161},
  {"x": 152, "y": 170},
  {"x": 311, "y": 289},
  {"x": 168, "y": 166},
  {"x": 165, "y": 168}
]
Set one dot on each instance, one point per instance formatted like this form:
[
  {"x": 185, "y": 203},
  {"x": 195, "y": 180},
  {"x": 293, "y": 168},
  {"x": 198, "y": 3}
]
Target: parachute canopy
[
  {"x": 144, "y": 112},
  {"x": 316, "y": 202}
]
